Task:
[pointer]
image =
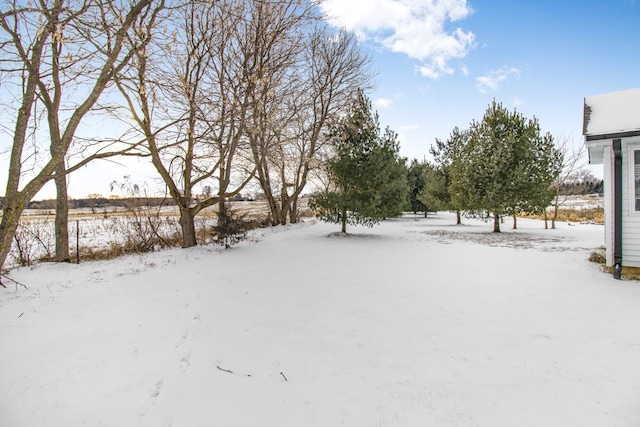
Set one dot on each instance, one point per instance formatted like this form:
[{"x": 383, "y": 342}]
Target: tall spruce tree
[
  {"x": 368, "y": 177},
  {"x": 505, "y": 168}
]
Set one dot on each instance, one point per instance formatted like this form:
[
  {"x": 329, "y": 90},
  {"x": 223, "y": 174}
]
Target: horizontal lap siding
[
  {"x": 630, "y": 218},
  {"x": 632, "y": 234}
]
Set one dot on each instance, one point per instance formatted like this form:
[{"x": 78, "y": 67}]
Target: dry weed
[{"x": 591, "y": 215}]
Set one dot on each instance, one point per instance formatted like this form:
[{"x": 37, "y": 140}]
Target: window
[{"x": 636, "y": 179}]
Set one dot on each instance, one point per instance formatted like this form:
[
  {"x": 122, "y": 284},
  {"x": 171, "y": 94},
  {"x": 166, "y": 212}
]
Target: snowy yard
[{"x": 415, "y": 322}]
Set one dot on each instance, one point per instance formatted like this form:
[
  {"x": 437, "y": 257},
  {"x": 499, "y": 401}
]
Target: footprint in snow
[
  {"x": 151, "y": 400},
  {"x": 185, "y": 362}
]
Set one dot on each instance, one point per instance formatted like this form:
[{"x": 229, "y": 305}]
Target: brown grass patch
[
  {"x": 628, "y": 273},
  {"x": 598, "y": 256},
  {"x": 592, "y": 215}
]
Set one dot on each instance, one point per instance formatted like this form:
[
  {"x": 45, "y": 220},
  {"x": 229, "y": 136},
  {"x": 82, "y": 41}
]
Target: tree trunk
[
  {"x": 15, "y": 203},
  {"x": 8, "y": 226},
  {"x": 458, "y": 218},
  {"x": 515, "y": 222},
  {"x": 293, "y": 211},
  {"x": 222, "y": 214},
  {"x": 187, "y": 224},
  {"x": 62, "y": 215},
  {"x": 274, "y": 209},
  {"x": 555, "y": 213},
  {"x": 284, "y": 206},
  {"x": 496, "y": 222},
  {"x": 546, "y": 225},
  {"x": 344, "y": 222}
]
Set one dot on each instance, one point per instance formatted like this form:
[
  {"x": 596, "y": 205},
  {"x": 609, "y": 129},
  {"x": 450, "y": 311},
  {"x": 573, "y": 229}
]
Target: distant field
[
  {"x": 110, "y": 231},
  {"x": 250, "y": 208},
  {"x": 578, "y": 209}
]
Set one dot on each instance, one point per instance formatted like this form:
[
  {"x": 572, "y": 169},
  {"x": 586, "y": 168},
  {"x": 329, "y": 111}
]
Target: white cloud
[
  {"x": 517, "y": 101},
  {"x": 413, "y": 27},
  {"x": 465, "y": 71},
  {"x": 492, "y": 80},
  {"x": 435, "y": 69},
  {"x": 382, "y": 103}
]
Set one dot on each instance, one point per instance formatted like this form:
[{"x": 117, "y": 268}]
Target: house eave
[{"x": 614, "y": 135}]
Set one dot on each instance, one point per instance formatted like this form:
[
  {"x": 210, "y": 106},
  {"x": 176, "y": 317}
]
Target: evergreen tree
[
  {"x": 506, "y": 167},
  {"x": 392, "y": 177},
  {"x": 543, "y": 170},
  {"x": 435, "y": 194},
  {"x": 368, "y": 178},
  {"x": 445, "y": 154},
  {"x": 416, "y": 175}
]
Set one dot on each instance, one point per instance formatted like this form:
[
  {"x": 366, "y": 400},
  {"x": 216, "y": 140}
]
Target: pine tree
[
  {"x": 543, "y": 170},
  {"x": 435, "y": 194},
  {"x": 368, "y": 178},
  {"x": 416, "y": 175},
  {"x": 446, "y": 154},
  {"x": 391, "y": 177},
  {"x": 506, "y": 167}
]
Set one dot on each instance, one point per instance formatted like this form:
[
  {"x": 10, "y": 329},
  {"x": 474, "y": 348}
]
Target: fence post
[{"x": 77, "y": 241}]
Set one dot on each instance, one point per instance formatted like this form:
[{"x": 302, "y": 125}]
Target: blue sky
[{"x": 540, "y": 57}]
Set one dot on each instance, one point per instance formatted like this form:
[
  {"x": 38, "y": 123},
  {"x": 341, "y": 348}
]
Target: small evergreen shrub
[{"x": 232, "y": 228}]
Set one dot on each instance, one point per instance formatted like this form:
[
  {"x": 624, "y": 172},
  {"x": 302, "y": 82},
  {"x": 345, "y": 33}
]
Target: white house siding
[{"x": 630, "y": 218}]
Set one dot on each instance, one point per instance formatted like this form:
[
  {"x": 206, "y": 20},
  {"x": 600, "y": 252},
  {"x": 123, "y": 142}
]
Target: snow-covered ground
[{"x": 415, "y": 322}]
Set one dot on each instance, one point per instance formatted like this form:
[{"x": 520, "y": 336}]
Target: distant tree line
[
  {"x": 581, "y": 183},
  {"x": 100, "y": 202}
]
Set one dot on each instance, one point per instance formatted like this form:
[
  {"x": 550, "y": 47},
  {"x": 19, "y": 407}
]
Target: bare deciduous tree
[
  {"x": 572, "y": 163},
  {"x": 291, "y": 113},
  {"x": 189, "y": 98},
  {"x": 56, "y": 59}
]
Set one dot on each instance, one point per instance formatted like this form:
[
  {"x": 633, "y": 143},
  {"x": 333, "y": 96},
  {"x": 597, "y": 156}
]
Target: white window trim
[{"x": 634, "y": 145}]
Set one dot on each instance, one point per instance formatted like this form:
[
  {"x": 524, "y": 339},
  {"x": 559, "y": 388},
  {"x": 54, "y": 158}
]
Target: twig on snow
[
  {"x": 224, "y": 370},
  {"x": 11, "y": 280},
  {"x": 229, "y": 371}
]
